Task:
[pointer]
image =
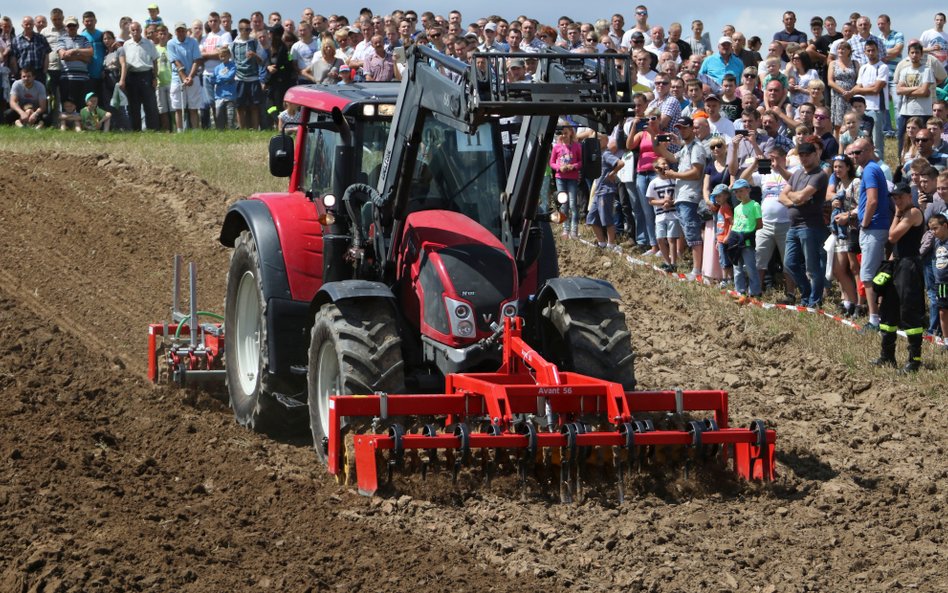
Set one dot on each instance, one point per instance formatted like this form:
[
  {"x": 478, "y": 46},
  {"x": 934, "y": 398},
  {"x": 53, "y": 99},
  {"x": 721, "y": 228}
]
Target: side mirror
[{"x": 281, "y": 155}]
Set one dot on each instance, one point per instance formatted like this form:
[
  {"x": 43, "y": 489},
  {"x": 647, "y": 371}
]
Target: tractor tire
[
  {"x": 249, "y": 382},
  {"x": 354, "y": 349},
  {"x": 589, "y": 337}
]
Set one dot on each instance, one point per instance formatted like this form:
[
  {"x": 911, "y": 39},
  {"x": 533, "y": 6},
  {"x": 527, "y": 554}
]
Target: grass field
[{"x": 236, "y": 163}]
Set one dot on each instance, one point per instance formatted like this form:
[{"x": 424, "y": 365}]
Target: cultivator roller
[{"x": 529, "y": 410}]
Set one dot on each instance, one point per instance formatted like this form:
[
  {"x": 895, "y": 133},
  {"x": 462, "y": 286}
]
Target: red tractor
[{"x": 411, "y": 247}]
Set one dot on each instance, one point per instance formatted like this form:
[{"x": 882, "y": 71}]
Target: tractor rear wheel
[
  {"x": 249, "y": 382},
  {"x": 354, "y": 349},
  {"x": 589, "y": 337}
]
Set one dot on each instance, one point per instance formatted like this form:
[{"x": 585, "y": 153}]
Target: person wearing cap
[
  {"x": 691, "y": 159},
  {"x": 901, "y": 285},
  {"x": 93, "y": 117},
  {"x": 75, "y": 53},
  {"x": 517, "y": 70},
  {"x": 490, "y": 39},
  {"x": 184, "y": 54},
  {"x": 153, "y": 17},
  {"x": 747, "y": 221},
  {"x": 714, "y": 67},
  {"x": 803, "y": 196},
  {"x": 139, "y": 78}
]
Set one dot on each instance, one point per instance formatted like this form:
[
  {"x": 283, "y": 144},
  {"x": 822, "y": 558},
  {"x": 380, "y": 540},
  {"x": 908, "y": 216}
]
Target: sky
[{"x": 747, "y": 16}]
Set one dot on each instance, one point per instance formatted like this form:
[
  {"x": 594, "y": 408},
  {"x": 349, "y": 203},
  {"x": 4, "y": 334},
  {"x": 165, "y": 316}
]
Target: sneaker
[
  {"x": 884, "y": 361},
  {"x": 692, "y": 276},
  {"x": 670, "y": 268},
  {"x": 652, "y": 253},
  {"x": 573, "y": 235},
  {"x": 600, "y": 245},
  {"x": 910, "y": 367},
  {"x": 852, "y": 312},
  {"x": 613, "y": 247},
  {"x": 870, "y": 327},
  {"x": 787, "y": 299}
]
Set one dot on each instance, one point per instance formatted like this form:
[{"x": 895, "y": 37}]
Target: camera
[
  {"x": 741, "y": 132},
  {"x": 663, "y": 138},
  {"x": 763, "y": 166}
]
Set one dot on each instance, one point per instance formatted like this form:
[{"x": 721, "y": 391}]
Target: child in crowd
[
  {"x": 225, "y": 88},
  {"x": 723, "y": 220},
  {"x": 289, "y": 118},
  {"x": 601, "y": 215},
  {"x": 247, "y": 60},
  {"x": 866, "y": 122},
  {"x": 850, "y": 131},
  {"x": 772, "y": 65},
  {"x": 153, "y": 17},
  {"x": 661, "y": 195},
  {"x": 747, "y": 221},
  {"x": 938, "y": 224},
  {"x": 69, "y": 118},
  {"x": 93, "y": 117}
]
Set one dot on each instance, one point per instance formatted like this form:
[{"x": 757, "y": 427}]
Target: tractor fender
[
  {"x": 576, "y": 287},
  {"x": 254, "y": 215},
  {"x": 333, "y": 292}
]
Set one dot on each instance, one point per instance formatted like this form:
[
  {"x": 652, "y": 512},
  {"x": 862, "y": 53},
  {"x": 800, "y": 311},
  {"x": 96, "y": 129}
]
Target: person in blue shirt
[
  {"x": 713, "y": 68},
  {"x": 186, "y": 95},
  {"x": 874, "y": 212},
  {"x": 94, "y": 37},
  {"x": 225, "y": 89}
]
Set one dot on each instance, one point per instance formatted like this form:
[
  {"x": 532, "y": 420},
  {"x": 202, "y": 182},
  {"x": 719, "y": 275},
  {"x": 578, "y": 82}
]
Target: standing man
[
  {"x": 185, "y": 57},
  {"x": 874, "y": 212},
  {"x": 691, "y": 160},
  {"x": 139, "y": 78},
  {"x": 31, "y": 50},
  {"x": 212, "y": 41},
  {"x": 872, "y": 82},
  {"x": 55, "y": 68},
  {"x": 616, "y": 30},
  {"x": 894, "y": 44},
  {"x": 94, "y": 37},
  {"x": 379, "y": 65},
  {"x": 789, "y": 34},
  {"x": 302, "y": 52},
  {"x": 75, "y": 53},
  {"x": 914, "y": 86},
  {"x": 804, "y": 196},
  {"x": 861, "y": 38},
  {"x": 713, "y": 68},
  {"x": 935, "y": 40}
]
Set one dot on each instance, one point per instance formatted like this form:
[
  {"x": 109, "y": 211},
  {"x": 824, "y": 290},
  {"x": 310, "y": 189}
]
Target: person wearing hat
[
  {"x": 185, "y": 56},
  {"x": 93, "y": 117},
  {"x": 747, "y": 221},
  {"x": 75, "y": 53},
  {"x": 691, "y": 159},
  {"x": 516, "y": 70},
  {"x": 714, "y": 67},
  {"x": 803, "y": 196},
  {"x": 901, "y": 284},
  {"x": 153, "y": 17},
  {"x": 490, "y": 39}
]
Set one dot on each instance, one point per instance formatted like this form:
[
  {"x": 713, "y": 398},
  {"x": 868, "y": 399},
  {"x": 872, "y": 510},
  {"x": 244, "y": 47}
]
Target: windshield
[{"x": 459, "y": 172}]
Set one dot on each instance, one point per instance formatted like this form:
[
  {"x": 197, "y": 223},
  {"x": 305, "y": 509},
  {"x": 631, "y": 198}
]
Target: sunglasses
[
  {"x": 750, "y": 76},
  {"x": 716, "y": 146},
  {"x": 641, "y": 12},
  {"x": 661, "y": 82},
  {"x": 855, "y": 152},
  {"x": 820, "y": 116},
  {"x": 590, "y": 40},
  {"x": 244, "y": 28},
  {"x": 434, "y": 35},
  {"x": 920, "y": 140}
]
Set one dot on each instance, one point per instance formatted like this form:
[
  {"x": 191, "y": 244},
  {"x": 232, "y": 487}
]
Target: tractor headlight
[
  {"x": 462, "y": 311},
  {"x": 562, "y": 197},
  {"x": 329, "y": 200},
  {"x": 460, "y": 318},
  {"x": 465, "y": 329}
]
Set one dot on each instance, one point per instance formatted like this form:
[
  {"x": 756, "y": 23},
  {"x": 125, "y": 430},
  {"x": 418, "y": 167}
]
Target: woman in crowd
[
  {"x": 817, "y": 93},
  {"x": 800, "y": 72},
  {"x": 841, "y": 77},
  {"x": 750, "y": 83},
  {"x": 326, "y": 65},
  {"x": 715, "y": 173},
  {"x": 909, "y": 148},
  {"x": 112, "y": 71},
  {"x": 843, "y": 193},
  {"x": 644, "y": 142},
  {"x": 566, "y": 160}
]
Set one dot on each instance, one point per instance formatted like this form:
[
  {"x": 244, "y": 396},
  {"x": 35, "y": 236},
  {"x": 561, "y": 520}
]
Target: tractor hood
[{"x": 457, "y": 278}]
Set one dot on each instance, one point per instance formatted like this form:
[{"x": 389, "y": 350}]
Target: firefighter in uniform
[{"x": 901, "y": 283}]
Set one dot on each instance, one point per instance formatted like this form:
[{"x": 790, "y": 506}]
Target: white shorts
[
  {"x": 186, "y": 97},
  {"x": 163, "y": 94}
]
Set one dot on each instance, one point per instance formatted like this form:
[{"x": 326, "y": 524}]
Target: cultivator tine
[
  {"x": 568, "y": 463},
  {"x": 528, "y": 456},
  {"x": 463, "y": 432},
  {"x": 396, "y": 459},
  {"x": 429, "y": 457}
]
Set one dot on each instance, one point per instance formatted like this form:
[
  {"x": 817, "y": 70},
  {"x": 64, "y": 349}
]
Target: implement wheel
[
  {"x": 589, "y": 337},
  {"x": 354, "y": 350},
  {"x": 249, "y": 382}
]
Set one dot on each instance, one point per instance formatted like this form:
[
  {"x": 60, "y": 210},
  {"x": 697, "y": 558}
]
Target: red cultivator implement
[
  {"x": 185, "y": 351},
  {"x": 502, "y": 405}
]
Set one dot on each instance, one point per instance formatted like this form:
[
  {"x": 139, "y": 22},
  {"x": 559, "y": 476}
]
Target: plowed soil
[{"x": 110, "y": 484}]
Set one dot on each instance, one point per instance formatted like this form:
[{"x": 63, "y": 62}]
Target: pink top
[
  {"x": 563, "y": 154},
  {"x": 647, "y": 156}
]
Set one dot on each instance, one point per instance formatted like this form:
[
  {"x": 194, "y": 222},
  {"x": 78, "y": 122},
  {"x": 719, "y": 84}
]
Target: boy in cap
[
  {"x": 723, "y": 221},
  {"x": 747, "y": 221},
  {"x": 900, "y": 283},
  {"x": 938, "y": 225},
  {"x": 93, "y": 117},
  {"x": 153, "y": 17}
]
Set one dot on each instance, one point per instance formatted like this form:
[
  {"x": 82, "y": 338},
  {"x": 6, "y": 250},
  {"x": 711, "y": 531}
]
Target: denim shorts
[
  {"x": 667, "y": 228},
  {"x": 872, "y": 244},
  {"x": 691, "y": 222}
]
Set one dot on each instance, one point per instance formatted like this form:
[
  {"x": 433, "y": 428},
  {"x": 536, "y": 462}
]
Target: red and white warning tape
[{"x": 744, "y": 300}]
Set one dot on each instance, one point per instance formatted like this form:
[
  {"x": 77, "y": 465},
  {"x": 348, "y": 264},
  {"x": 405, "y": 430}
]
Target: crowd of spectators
[{"x": 772, "y": 144}]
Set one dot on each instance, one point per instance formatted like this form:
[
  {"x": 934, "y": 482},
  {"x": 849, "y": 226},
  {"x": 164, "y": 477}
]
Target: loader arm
[{"x": 591, "y": 88}]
